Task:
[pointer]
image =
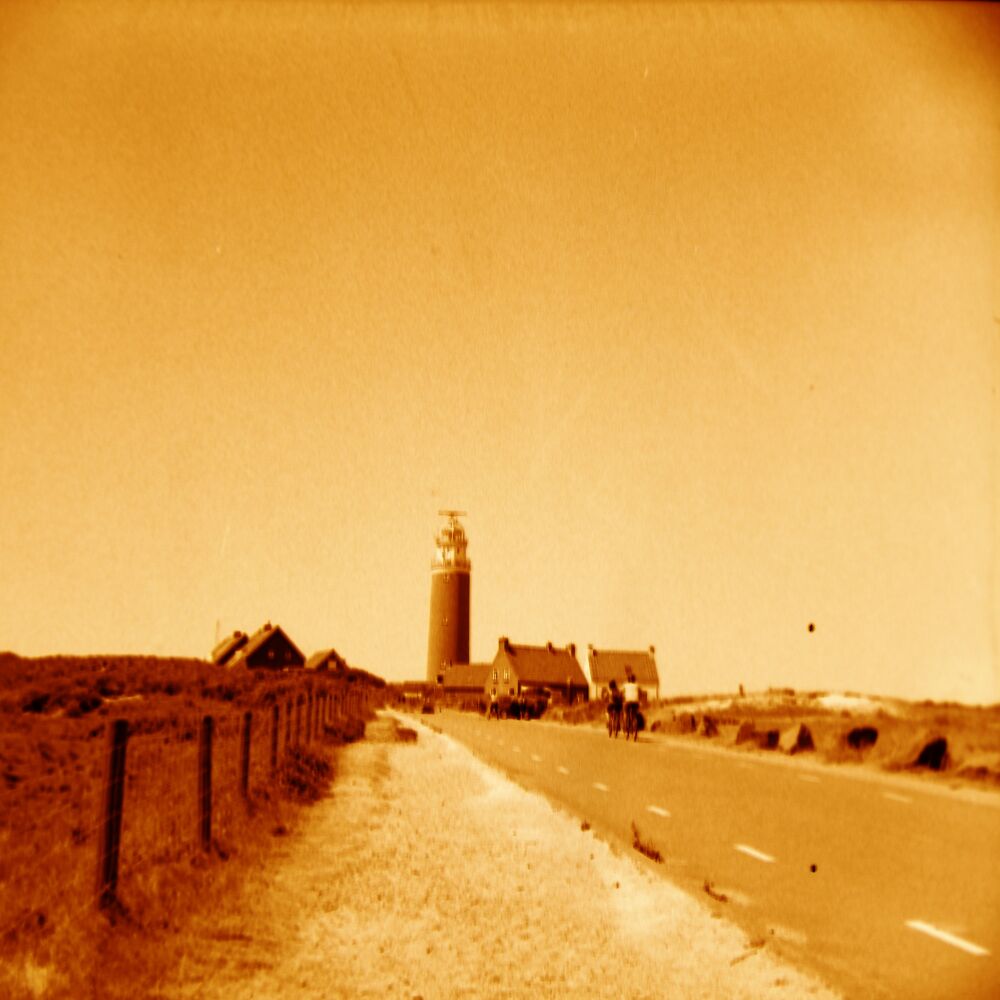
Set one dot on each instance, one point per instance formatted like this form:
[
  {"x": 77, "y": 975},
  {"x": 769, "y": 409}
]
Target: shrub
[
  {"x": 304, "y": 776},
  {"x": 35, "y": 702}
]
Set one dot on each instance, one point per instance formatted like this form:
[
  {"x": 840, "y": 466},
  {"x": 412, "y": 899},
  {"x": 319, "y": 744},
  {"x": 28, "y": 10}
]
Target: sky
[{"x": 694, "y": 309}]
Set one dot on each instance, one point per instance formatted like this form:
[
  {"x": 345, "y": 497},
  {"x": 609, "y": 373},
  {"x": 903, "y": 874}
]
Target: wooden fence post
[
  {"x": 111, "y": 814},
  {"x": 275, "y": 729},
  {"x": 205, "y": 783},
  {"x": 245, "y": 754}
]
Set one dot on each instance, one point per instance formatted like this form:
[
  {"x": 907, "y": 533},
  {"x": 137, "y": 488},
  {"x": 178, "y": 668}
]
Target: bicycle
[
  {"x": 614, "y": 721},
  {"x": 632, "y": 722}
]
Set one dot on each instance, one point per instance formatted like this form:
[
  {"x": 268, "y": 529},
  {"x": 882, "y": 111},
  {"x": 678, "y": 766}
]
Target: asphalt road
[{"x": 885, "y": 887}]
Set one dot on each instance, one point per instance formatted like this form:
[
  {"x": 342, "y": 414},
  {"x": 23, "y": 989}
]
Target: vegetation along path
[{"x": 427, "y": 874}]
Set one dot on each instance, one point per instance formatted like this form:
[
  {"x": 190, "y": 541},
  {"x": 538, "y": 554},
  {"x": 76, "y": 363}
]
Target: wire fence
[{"x": 142, "y": 794}]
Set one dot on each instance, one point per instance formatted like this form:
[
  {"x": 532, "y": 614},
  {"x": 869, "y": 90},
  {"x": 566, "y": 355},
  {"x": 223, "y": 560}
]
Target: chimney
[
  {"x": 504, "y": 644},
  {"x": 652, "y": 650},
  {"x": 572, "y": 649},
  {"x": 549, "y": 647}
]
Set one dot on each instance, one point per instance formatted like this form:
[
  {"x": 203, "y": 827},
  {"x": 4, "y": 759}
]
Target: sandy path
[{"x": 426, "y": 874}]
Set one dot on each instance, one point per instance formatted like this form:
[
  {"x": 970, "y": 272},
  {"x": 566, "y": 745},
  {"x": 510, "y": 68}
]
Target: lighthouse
[{"x": 448, "y": 637}]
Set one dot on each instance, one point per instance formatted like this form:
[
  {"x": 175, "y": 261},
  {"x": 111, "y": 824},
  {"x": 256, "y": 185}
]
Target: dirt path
[{"x": 428, "y": 875}]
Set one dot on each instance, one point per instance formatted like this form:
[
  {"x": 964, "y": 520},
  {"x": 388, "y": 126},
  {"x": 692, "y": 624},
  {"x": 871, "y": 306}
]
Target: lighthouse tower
[{"x": 448, "y": 638}]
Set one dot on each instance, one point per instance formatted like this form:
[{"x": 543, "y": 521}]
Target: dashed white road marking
[
  {"x": 600, "y": 786},
  {"x": 562, "y": 770},
  {"x": 809, "y": 777},
  {"x": 754, "y": 853},
  {"x": 658, "y": 811},
  {"x": 535, "y": 757},
  {"x": 896, "y": 798},
  {"x": 952, "y": 939}
]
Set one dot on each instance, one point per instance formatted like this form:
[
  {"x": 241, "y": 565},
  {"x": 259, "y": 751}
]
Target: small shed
[
  {"x": 269, "y": 648},
  {"x": 519, "y": 669},
  {"x": 605, "y": 665}
]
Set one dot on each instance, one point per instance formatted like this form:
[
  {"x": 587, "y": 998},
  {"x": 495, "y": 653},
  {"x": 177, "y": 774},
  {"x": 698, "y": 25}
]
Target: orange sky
[{"x": 692, "y": 307}]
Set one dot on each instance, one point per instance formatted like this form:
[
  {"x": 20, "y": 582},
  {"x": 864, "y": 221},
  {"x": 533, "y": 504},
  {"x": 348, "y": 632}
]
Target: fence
[{"x": 149, "y": 795}]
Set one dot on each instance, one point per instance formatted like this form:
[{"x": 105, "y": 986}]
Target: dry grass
[{"x": 54, "y": 940}]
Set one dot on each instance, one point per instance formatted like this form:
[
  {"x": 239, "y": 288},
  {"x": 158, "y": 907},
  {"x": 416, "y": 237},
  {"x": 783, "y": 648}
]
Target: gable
[
  {"x": 326, "y": 659},
  {"x": 270, "y": 647}
]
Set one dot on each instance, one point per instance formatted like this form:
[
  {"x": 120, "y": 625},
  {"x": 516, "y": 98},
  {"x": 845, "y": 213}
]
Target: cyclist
[
  {"x": 630, "y": 693},
  {"x": 614, "y": 709}
]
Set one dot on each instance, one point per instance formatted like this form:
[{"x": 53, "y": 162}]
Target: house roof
[
  {"x": 608, "y": 664},
  {"x": 225, "y": 649},
  {"x": 265, "y": 634},
  {"x": 466, "y": 675},
  {"x": 547, "y": 665},
  {"x": 326, "y": 659}
]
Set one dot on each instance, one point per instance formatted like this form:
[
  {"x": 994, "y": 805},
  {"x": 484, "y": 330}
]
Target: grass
[{"x": 54, "y": 713}]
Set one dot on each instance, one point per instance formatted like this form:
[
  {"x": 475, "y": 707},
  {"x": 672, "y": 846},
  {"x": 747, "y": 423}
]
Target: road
[{"x": 884, "y": 887}]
